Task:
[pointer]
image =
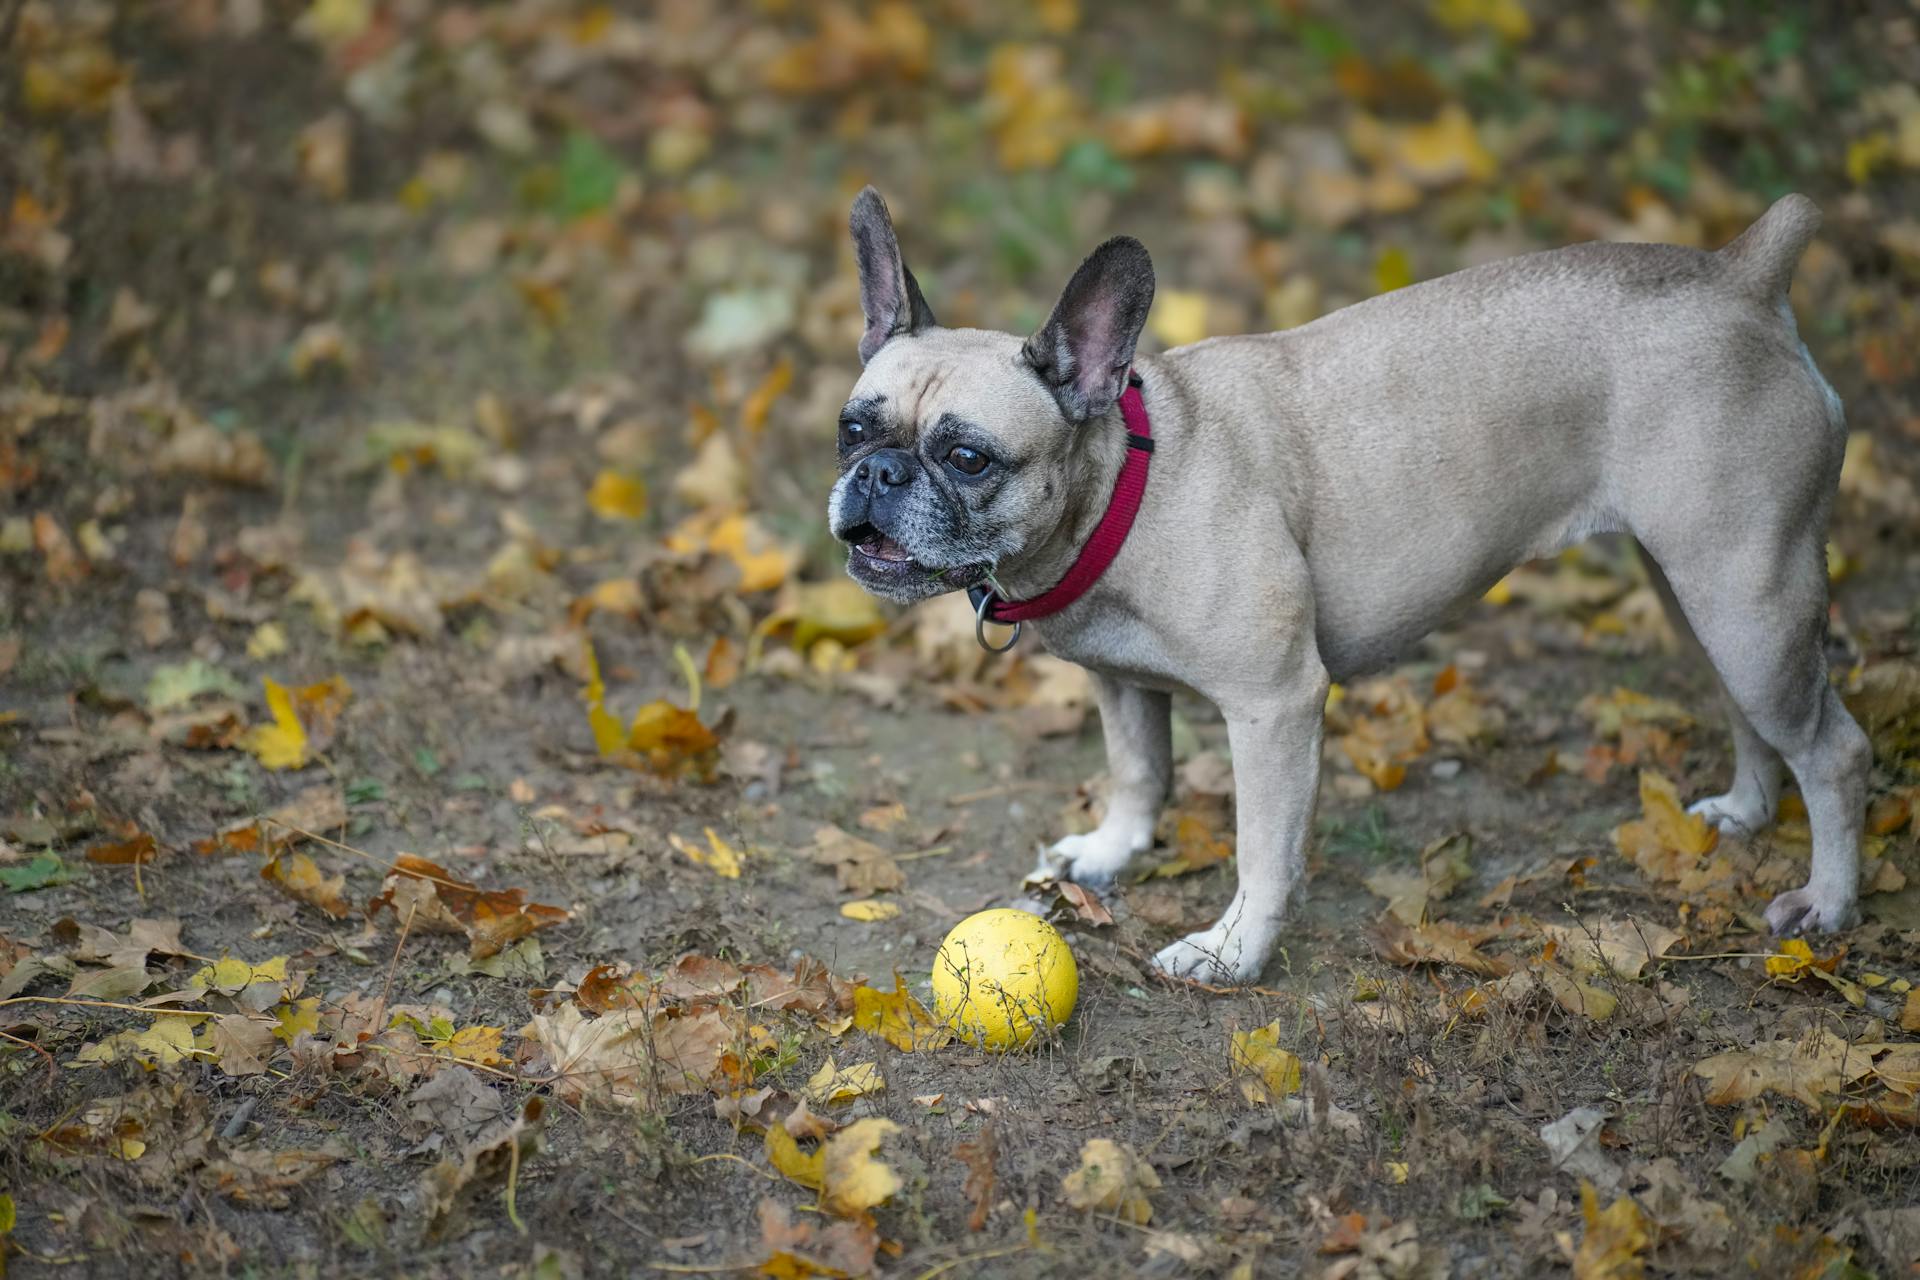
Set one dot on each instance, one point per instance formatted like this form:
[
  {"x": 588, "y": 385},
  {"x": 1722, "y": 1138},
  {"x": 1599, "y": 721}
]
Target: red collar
[{"x": 1101, "y": 548}]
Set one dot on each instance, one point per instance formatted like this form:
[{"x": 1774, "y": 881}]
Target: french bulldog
[{"x": 1322, "y": 497}]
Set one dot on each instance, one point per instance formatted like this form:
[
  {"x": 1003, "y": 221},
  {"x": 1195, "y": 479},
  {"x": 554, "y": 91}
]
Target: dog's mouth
[
  {"x": 883, "y": 564},
  {"x": 875, "y": 545}
]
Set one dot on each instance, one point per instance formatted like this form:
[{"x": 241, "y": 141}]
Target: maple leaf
[
  {"x": 1667, "y": 842},
  {"x": 896, "y": 1017},
  {"x": 1810, "y": 1068},
  {"x": 300, "y": 877},
  {"x": 851, "y": 1180},
  {"x": 719, "y": 856},
  {"x": 1258, "y": 1053},
  {"x": 1620, "y": 947},
  {"x": 831, "y": 1084},
  {"x": 1614, "y": 1240},
  {"x": 434, "y": 898},
  {"x": 1111, "y": 1179},
  {"x": 303, "y": 722}
]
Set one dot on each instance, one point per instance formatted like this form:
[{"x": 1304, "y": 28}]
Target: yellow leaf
[
  {"x": 1508, "y": 18},
  {"x": 617, "y": 496},
  {"x": 607, "y": 735},
  {"x": 785, "y": 1155},
  {"x": 1258, "y": 1053},
  {"x": 335, "y": 21},
  {"x": 1179, "y": 317},
  {"x": 719, "y": 856},
  {"x": 1392, "y": 270},
  {"x": 297, "y": 1016},
  {"x": 230, "y": 974},
  {"x": 283, "y": 744},
  {"x": 1397, "y": 1171},
  {"x": 167, "y": 1041},
  {"x": 1614, "y": 1239},
  {"x": 832, "y": 1084},
  {"x": 1444, "y": 150},
  {"x": 1111, "y": 1179},
  {"x": 896, "y": 1017},
  {"x": 1667, "y": 842},
  {"x": 764, "y": 562},
  {"x": 851, "y": 1180},
  {"x": 1794, "y": 959},
  {"x": 6, "y": 1213},
  {"x": 754, "y": 409},
  {"x": 269, "y": 640},
  {"x": 669, "y": 737},
  {"x": 300, "y": 876},
  {"x": 870, "y": 910},
  {"x": 478, "y": 1045}
]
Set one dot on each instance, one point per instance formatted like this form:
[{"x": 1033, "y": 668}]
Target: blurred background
[{"x": 348, "y": 251}]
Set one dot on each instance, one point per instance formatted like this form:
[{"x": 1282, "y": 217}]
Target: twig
[
  {"x": 380, "y": 1009},
  {"x": 741, "y": 1160},
  {"x": 53, "y": 1068},
  {"x": 944, "y": 1267},
  {"x": 107, "y": 1004},
  {"x": 390, "y": 863}
]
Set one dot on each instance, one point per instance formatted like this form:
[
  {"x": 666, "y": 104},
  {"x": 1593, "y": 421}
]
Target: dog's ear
[
  {"x": 1085, "y": 348},
  {"x": 889, "y": 295}
]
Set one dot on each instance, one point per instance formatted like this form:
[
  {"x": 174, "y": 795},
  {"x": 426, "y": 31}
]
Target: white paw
[
  {"x": 1222, "y": 956},
  {"x": 1735, "y": 815},
  {"x": 1810, "y": 910},
  {"x": 1098, "y": 858}
]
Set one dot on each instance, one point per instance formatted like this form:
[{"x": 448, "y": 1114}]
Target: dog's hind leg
[
  {"x": 1138, "y": 726},
  {"x": 1754, "y": 798},
  {"x": 1758, "y": 607}
]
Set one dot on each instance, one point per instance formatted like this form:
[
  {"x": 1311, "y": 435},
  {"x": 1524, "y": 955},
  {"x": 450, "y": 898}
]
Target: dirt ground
[{"x": 457, "y": 819}]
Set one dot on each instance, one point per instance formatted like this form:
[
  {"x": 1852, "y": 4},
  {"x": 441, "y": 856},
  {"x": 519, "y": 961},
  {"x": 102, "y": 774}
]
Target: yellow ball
[{"x": 1002, "y": 975}]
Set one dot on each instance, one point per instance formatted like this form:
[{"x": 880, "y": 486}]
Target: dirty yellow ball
[{"x": 1002, "y": 975}]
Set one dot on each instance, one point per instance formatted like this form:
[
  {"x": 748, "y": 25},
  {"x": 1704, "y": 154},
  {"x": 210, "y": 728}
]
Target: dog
[{"x": 1320, "y": 498}]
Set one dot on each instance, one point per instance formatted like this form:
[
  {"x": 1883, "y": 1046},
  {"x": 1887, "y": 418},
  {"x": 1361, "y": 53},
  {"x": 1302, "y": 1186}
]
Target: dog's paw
[
  {"x": 1095, "y": 859},
  {"x": 1735, "y": 815},
  {"x": 1217, "y": 956},
  {"x": 1807, "y": 910}
]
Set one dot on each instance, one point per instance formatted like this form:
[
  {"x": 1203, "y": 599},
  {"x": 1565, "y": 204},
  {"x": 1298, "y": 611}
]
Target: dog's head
[{"x": 958, "y": 446}]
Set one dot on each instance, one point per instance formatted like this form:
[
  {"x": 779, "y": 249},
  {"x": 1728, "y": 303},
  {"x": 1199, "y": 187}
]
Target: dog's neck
[{"x": 1090, "y": 485}]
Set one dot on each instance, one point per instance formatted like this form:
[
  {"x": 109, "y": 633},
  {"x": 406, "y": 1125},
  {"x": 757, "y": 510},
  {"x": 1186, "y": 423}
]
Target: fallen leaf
[
  {"x": 1111, "y": 1179},
  {"x": 1810, "y": 1068},
  {"x": 1615, "y": 1238},
  {"x": 1258, "y": 1053},
  {"x": 896, "y": 1017},
  {"x": 861, "y": 866},
  {"x": 1621, "y": 947},
  {"x": 831, "y": 1084},
  {"x": 1573, "y": 1144},
  {"x": 300, "y": 877},
  {"x": 719, "y": 856},
  {"x": 978, "y": 1156},
  {"x": 851, "y": 1180},
  {"x": 617, "y": 496},
  {"x": 1667, "y": 842},
  {"x": 433, "y": 898},
  {"x": 870, "y": 910},
  {"x": 451, "y": 1187}
]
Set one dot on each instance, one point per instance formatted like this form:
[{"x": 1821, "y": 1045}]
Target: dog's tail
[{"x": 1765, "y": 254}]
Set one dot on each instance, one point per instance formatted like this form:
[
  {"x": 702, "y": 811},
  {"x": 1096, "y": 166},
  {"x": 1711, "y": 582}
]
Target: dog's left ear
[
  {"x": 889, "y": 295},
  {"x": 1085, "y": 348}
]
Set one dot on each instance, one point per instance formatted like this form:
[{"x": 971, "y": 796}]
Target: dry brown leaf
[
  {"x": 451, "y": 1187},
  {"x": 863, "y": 867},
  {"x": 433, "y": 898}
]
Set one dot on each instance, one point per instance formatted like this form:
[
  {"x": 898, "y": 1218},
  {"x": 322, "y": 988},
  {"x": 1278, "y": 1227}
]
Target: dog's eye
[
  {"x": 968, "y": 462},
  {"x": 851, "y": 433}
]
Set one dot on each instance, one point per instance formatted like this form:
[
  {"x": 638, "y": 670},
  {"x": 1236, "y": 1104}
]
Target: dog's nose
[{"x": 886, "y": 469}]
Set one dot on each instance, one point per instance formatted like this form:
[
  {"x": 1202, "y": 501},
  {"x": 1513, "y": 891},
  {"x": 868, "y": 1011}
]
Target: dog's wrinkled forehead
[{"x": 974, "y": 375}]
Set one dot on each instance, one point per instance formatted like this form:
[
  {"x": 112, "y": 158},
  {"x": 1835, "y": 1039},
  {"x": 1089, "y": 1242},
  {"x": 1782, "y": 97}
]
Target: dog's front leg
[
  {"x": 1137, "y": 724},
  {"x": 1275, "y": 738}
]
